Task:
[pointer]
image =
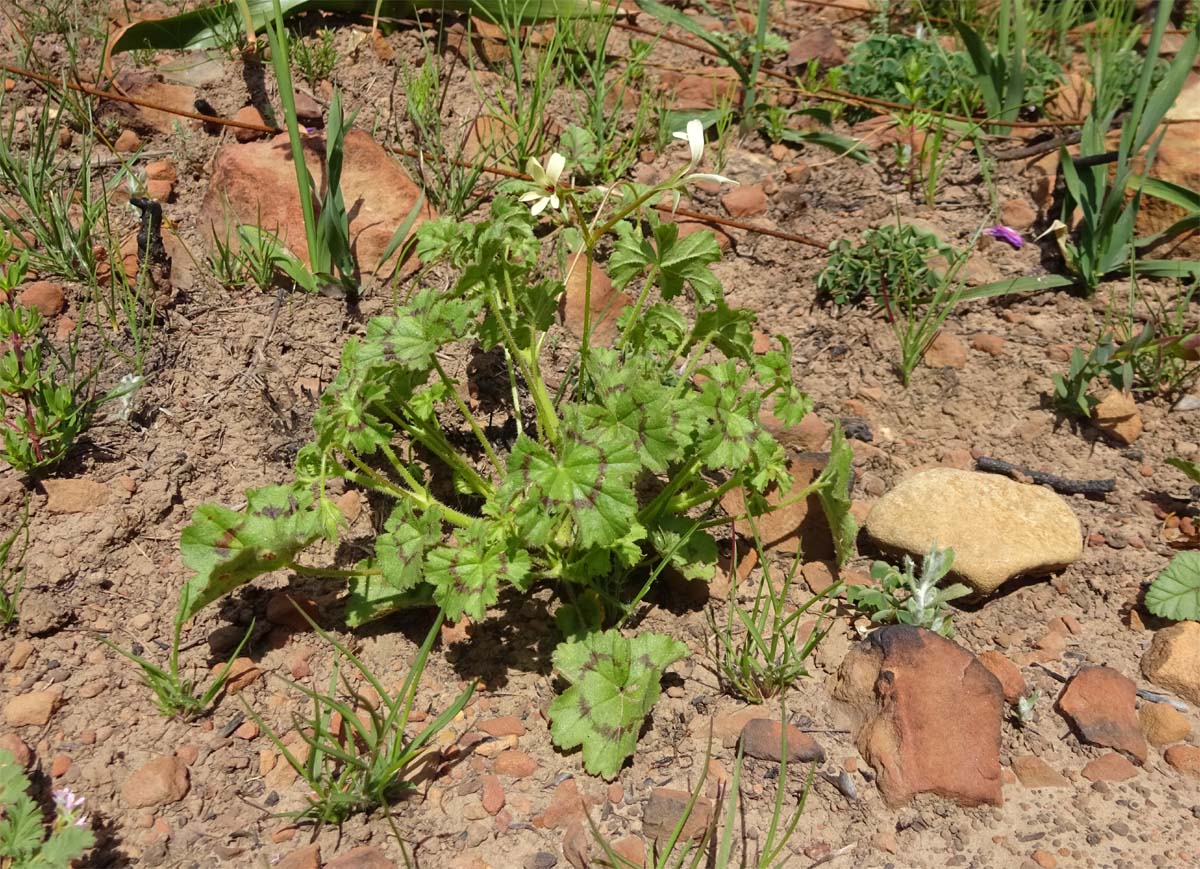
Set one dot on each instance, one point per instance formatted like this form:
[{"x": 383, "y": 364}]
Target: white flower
[
  {"x": 694, "y": 136},
  {"x": 546, "y": 180}
]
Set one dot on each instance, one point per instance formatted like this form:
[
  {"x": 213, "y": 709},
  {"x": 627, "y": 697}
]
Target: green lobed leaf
[
  {"x": 587, "y": 489},
  {"x": 467, "y": 575},
  {"x": 1175, "y": 593},
  {"x": 614, "y": 683},
  {"x": 691, "y": 552},
  {"x": 400, "y": 549},
  {"x": 227, "y": 549},
  {"x": 673, "y": 261}
]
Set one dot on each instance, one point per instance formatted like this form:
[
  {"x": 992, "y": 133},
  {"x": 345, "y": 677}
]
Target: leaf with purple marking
[{"x": 614, "y": 685}]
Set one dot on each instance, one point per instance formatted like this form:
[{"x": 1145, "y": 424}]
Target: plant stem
[{"x": 467, "y": 415}]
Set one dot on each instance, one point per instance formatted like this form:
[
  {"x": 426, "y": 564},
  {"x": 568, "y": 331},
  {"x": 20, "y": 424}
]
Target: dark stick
[{"x": 1055, "y": 482}]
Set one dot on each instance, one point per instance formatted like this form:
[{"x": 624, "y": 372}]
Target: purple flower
[
  {"x": 68, "y": 804},
  {"x": 1006, "y": 234}
]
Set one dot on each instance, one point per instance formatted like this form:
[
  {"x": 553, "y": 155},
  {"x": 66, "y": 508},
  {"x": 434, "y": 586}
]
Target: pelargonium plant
[{"x": 591, "y": 467}]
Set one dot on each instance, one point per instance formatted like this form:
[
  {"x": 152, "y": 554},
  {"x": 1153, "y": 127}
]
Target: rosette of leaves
[{"x": 596, "y": 485}]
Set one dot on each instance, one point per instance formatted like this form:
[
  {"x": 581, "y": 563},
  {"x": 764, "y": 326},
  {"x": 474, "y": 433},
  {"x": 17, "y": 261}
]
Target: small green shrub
[
  {"x": 890, "y": 262},
  {"x": 25, "y": 843},
  {"x": 12, "y": 571},
  {"x": 315, "y": 58},
  {"x": 908, "y": 599},
  {"x": 882, "y": 66}
]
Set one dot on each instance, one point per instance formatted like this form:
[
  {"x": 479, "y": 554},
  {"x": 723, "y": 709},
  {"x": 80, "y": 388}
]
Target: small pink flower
[{"x": 1006, "y": 234}]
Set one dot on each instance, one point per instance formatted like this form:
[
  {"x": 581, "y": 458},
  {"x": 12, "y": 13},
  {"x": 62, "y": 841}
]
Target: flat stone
[
  {"x": 763, "y": 738},
  {"x": 1109, "y": 767},
  {"x": 946, "y": 351},
  {"x": 161, "y": 781},
  {"x": 255, "y": 181},
  {"x": 78, "y": 495},
  {"x": 745, "y": 200},
  {"x": 664, "y": 810},
  {"x": 1034, "y": 773},
  {"x": 46, "y": 297},
  {"x": 926, "y": 716},
  {"x": 606, "y": 303},
  {"x": 800, "y": 526},
  {"x": 1185, "y": 758},
  {"x": 362, "y": 857},
  {"x": 1007, "y": 672},
  {"x": 998, "y": 528},
  {"x": 1163, "y": 724},
  {"x": 31, "y": 710},
  {"x": 1173, "y": 660},
  {"x": 303, "y": 858},
  {"x": 1100, "y": 704},
  {"x": 1118, "y": 416},
  {"x": 819, "y": 44}
]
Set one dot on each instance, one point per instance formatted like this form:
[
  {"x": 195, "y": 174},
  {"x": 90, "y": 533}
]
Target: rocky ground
[{"x": 920, "y": 758}]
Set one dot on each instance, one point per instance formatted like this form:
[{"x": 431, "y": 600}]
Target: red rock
[
  {"x": 1100, "y": 704},
  {"x": 127, "y": 142},
  {"x": 149, "y": 86},
  {"x": 493, "y": 794},
  {"x": 927, "y": 716},
  {"x": 707, "y": 90},
  {"x": 20, "y": 654},
  {"x": 248, "y": 115},
  {"x": 257, "y": 179},
  {"x": 664, "y": 810},
  {"x": 606, "y": 304},
  {"x": 308, "y": 857},
  {"x": 992, "y": 345},
  {"x": 161, "y": 170},
  {"x": 1185, "y": 758},
  {"x": 799, "y": 526},
  {"x": 160, "y": 191},
  {"x": 1018, "y": 214},
  {"x": 1043, "y": 858},
  {"x": 688, "y": 227},
  {"x": 161, "y": 781},
  {"x": 946, "y": 351},
  {"x": 1007, "y": 672},
  {"x": 242, "y": 674},
  {"x": 1109, "y": 767},
  {"x": 763, "y": 738},
  {"x": 808, "y": 435},
  {"x": 818, "y": 44},
  {"x": 507, "y": 725},
  {"x": 745, "y": 200},
  {"x": 566, "y": 805},
  {"x": 60, "y": 765},
  {"x": 78, "y": 495},
  {"x": 632, "y": 849},
  {"x": 362, "y": 857},
  {"x": 285, "y": 609},
  {"x": 188, "y": 753},
  {"x": 45, "y": 296},
  {"x": 31, "y": 710},
  {"x": 1173, "y": 660},
  {"x": 15, "y": 746},
  {"x": 818, "y": 575},
  {"x": 1034, "y": 773}
]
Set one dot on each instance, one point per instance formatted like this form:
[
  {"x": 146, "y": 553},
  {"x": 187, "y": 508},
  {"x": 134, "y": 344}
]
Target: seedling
[
  {"x": 907, "y": 599},
  {"x": 174, "y": 695},
  {"x": 1175, "y": 593},
  {"x": 356, "y": 752}
]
